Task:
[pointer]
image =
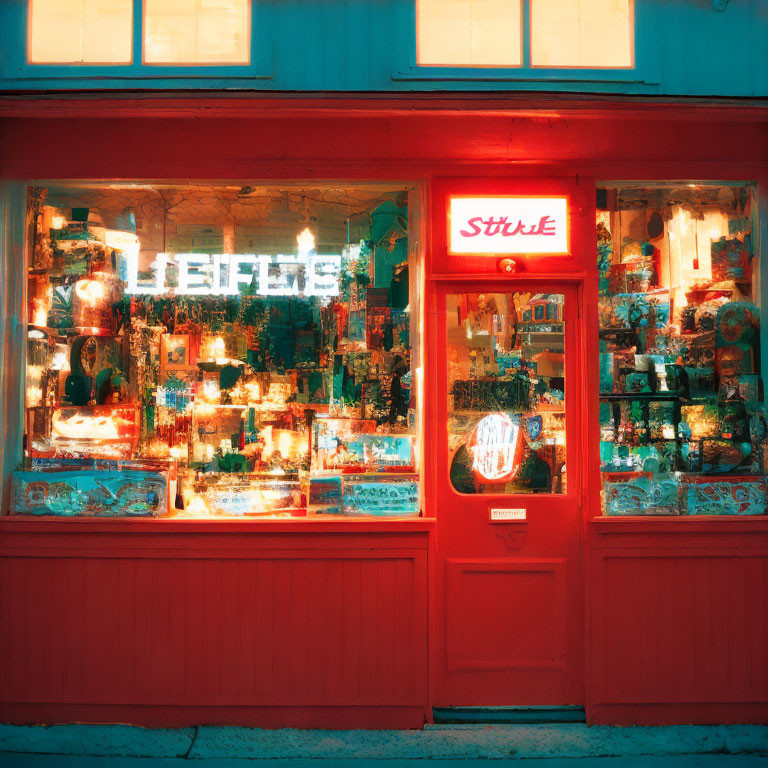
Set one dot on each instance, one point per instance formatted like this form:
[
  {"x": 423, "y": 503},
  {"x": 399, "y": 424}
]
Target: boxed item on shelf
[
  {"x": 378, "y": 497},
  {"x": 242, "y": 494},
  {"x": 640, "y": 493},
  {"x": 731, "y": 495},
  {"x": 90, "y": 492},
  {"x": 97, "y": 431}
]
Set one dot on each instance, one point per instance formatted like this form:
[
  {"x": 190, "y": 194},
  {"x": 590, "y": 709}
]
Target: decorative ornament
[{"x": 534, "y": 425}]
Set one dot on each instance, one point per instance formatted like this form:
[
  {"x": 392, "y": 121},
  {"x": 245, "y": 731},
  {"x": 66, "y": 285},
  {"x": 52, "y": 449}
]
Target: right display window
[{"x": 682, "y": 417}]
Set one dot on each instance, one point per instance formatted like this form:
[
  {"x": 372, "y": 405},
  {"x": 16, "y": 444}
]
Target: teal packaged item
[
  {"x": 60, "y": 313},
  {"x": 101, "y": 493},
  {"x": 325, "y": 495},
  {"x": 381, "y": 497},
  {"x": 724, "y": 496},
  {"x": 638, "y": 493},
  {"x": 606, "y": 372}
]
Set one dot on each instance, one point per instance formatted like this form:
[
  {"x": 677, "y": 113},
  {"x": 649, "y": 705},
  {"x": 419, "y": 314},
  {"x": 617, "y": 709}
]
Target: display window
[
  {"x": 506, "y": 392},
  {"x": 236, "y": 350},
  {"x": 682, "y": 415}
]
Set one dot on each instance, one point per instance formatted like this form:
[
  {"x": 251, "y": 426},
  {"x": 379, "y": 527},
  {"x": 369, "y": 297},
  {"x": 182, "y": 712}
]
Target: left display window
[{"x": 237, "y": 350}]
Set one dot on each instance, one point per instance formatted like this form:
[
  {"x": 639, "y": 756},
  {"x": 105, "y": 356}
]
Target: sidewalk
[
  {"x": 680, "y": 761},
  {"x": 510, "y": 743}
]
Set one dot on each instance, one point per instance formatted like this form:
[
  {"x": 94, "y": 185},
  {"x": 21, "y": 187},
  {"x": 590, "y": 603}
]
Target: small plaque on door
[{"x": 506, "y": 514}]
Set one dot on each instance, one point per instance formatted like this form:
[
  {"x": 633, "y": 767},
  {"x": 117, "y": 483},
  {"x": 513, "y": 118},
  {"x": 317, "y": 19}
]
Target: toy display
[
  {"x": 253, "y": 378},
  {"x": 679, "y": 363}
]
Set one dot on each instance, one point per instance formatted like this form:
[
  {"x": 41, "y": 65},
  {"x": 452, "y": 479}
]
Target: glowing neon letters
[
  {"x": 495, "y": 448},
  {"x": 493, "y": 225},
  {"x": 222, "y": 274}
]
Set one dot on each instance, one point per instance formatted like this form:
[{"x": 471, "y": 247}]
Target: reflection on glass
[{"x": 506, "y": 392}]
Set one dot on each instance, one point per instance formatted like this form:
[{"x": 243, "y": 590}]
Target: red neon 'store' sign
[
  {"x": 500, "y": 226},
  {"x": 479, "y": 225}
]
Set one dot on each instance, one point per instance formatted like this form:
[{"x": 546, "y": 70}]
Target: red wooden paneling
[
  {"x": 304, "y": 626},
  {"x": 506, "y": 614},
  {"x": 678, "y": 625},
  {"x": 369, "y": 138}
]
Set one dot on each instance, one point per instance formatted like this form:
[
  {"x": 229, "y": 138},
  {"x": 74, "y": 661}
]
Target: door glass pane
[{"x": 506, "y": 392}]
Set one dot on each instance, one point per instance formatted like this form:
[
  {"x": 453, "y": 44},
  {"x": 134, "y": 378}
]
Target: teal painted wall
[{"x": 683, "y": 48}]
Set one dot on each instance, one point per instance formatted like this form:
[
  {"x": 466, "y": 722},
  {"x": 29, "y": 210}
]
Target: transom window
[
  {"x": 173, "y": 32},
  {"x": 80, "y": 31},
  {"x": 196, "y": 31},
  {"x": 515, "y": 33}
]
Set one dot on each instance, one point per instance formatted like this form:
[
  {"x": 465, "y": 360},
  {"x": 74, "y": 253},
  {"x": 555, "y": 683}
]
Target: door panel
[
  {"x": 483, "y": 638},
  {"x": 507, "y": 399}
]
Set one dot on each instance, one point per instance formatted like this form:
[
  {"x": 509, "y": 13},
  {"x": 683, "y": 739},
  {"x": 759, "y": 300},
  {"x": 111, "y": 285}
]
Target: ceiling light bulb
[{"x": 306, "y": 241}]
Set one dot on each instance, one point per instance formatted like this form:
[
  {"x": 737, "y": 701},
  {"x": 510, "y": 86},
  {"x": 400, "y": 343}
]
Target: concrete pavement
[
  {"x": 577, "y": 743},
  {"x": 680, "y": 761}
]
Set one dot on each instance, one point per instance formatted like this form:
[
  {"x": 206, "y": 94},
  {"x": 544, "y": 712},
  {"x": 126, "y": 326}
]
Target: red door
[{"x": 508, "y": 480}]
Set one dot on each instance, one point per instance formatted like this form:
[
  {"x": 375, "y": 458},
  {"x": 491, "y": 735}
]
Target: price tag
[{"x": 501, "y": 515}]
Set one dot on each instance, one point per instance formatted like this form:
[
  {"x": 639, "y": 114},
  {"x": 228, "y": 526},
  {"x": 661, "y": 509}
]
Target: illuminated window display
[
  {"x": 221, "y": 351},
  {"x": 506, "y": 384},
  {"x": 682, "y": 417}
]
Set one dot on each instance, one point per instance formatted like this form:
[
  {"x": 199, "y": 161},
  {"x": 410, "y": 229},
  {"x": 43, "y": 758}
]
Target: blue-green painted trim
[
  {"x": 515, "y": 715},
  {"x": 645, "y": 71}
]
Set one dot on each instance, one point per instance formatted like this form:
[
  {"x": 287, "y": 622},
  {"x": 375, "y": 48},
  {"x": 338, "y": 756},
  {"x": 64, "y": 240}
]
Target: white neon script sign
[
  {"x": 491, "y": 225},
  {"x": 222, "y": 274},
  {"x": 494, "y": 448}
]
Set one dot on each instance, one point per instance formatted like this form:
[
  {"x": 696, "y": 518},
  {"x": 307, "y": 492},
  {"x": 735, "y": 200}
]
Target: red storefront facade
[{"x": 361, "y": 623}]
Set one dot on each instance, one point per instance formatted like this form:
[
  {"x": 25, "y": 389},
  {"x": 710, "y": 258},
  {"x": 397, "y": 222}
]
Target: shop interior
[
  {"x": 218, "y": 351},
  {"x": 682, "y": 414}
]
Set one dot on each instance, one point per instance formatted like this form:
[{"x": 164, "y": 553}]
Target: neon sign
[
  {"x": 494, "y": 225},
  {"x": 496, "y": 448},
  {"x": 222, "y": 274}
]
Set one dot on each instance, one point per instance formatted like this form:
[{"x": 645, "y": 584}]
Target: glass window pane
[
  {"x": 506, "y": 392},
  {"x": 254, "y": 347},
  {"x": 469, "y": 33},
  {"x": 80, "y": 31},
  {"x": 582, "y": 33},
  {"x": 197, "y": 31},
  {"x": 682, "y": 417},
  {"x": 107, "y": 31},
  {"x": 223, "y": 31}
]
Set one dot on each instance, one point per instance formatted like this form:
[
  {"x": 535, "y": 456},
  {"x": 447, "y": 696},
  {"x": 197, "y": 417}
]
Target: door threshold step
[{"x": 508, "y": 715}]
